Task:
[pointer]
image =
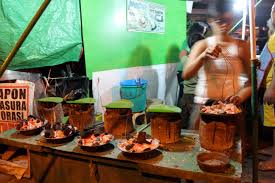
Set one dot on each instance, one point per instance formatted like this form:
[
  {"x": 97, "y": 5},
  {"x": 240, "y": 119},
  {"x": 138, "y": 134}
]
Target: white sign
[
  {"x": 189, "y": 6},
  {"x": 143, "y": 16},
  {"x": 16, "y": 101}
]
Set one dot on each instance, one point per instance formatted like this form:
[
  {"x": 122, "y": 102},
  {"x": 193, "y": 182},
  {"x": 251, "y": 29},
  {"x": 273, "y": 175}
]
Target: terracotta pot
[
  {"x": 166, "y": 127},
  {"x": 81, "y": 116},
  {"x": 118, "y": 121},
  {"x": 213, "y": 162},
  {"x": 50, "y": 111},
  {"x": 217, "y": 136}
]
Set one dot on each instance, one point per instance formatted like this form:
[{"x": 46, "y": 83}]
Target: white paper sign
[
  {"x": 143, "y": 16},
  {"x": 16, "y": 101},
  {"x": 189, "y": 6}
]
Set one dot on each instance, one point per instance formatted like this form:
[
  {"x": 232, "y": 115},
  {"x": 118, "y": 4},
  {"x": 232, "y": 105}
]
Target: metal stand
[
  {"x": 23, "y": 37},
  {"x": 254, "y": 108}
]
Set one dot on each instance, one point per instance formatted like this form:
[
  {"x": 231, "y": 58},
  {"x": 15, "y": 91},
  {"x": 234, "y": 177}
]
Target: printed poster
[
  {"x": 144, "y": 16},
  {"x": 16, "y": 101}
]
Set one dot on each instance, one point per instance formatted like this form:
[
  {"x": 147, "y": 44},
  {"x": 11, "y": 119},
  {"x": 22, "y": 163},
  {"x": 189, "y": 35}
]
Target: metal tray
[{"x": 34, "y": 131}]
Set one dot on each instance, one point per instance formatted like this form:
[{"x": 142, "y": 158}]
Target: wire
[
  {"x": 226, "y": 63},
  {"x": 233, "y": 70}
]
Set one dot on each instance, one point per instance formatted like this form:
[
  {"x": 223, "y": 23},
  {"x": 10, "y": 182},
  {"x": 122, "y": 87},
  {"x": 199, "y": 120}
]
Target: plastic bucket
[{"x": 135, "y": 91}]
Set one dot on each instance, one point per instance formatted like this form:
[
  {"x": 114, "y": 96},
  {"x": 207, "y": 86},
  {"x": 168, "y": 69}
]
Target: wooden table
[{"x": 68, "y": 163}]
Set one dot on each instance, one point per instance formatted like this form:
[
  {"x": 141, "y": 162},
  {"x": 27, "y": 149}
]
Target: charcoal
[
  {"x": 31, "y": 117},
  {"x": 96, "y": 144},
  {"x": 19, "y": 125},
  {"x": 47, "y": 133},
  {"x": 85, "y": 134},
  {"x": 129, "y": 136},
  {"x": 57, "y": 126},
  {"x": 96, "y": 134},
  {"x": 141, "y": 138},
  {"x": 67, "y": 131},
  {"x": 48, "y": 126},
  {"x": 147, "y": 149},
  {"x": 129, "y": 146}
]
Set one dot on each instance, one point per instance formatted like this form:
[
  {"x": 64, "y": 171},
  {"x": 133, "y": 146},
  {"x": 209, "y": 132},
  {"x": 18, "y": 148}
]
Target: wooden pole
[
  {"x": 240, "y": 21},
  {"x": 244, "y": 20}
]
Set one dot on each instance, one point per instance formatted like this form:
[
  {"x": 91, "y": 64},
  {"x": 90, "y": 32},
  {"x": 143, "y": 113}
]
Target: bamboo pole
[
  {"x": 244, "y": 20},
  {"x": 23, "y": 37},
  {"x": 238, "y": 23}
]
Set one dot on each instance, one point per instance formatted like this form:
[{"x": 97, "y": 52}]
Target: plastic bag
[{"x": 69, "y": 88}]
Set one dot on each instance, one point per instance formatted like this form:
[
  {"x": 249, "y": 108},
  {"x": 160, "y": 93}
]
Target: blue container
[{"x": 135, "y": 91}]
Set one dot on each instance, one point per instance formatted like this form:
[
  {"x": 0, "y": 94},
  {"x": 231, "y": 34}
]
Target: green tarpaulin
[{"x": 55, "y": 39}]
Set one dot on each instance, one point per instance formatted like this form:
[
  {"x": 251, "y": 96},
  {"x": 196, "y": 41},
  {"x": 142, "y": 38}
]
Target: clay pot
[
  {"x": 166, "y": 127},
  {"x": 118, "y": 121},
  {"x": 217, "y": 136}
]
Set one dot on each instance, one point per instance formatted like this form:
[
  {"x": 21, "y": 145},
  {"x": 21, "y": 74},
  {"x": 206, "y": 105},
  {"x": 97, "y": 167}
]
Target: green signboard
[{"x": 109, "y": 45}]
